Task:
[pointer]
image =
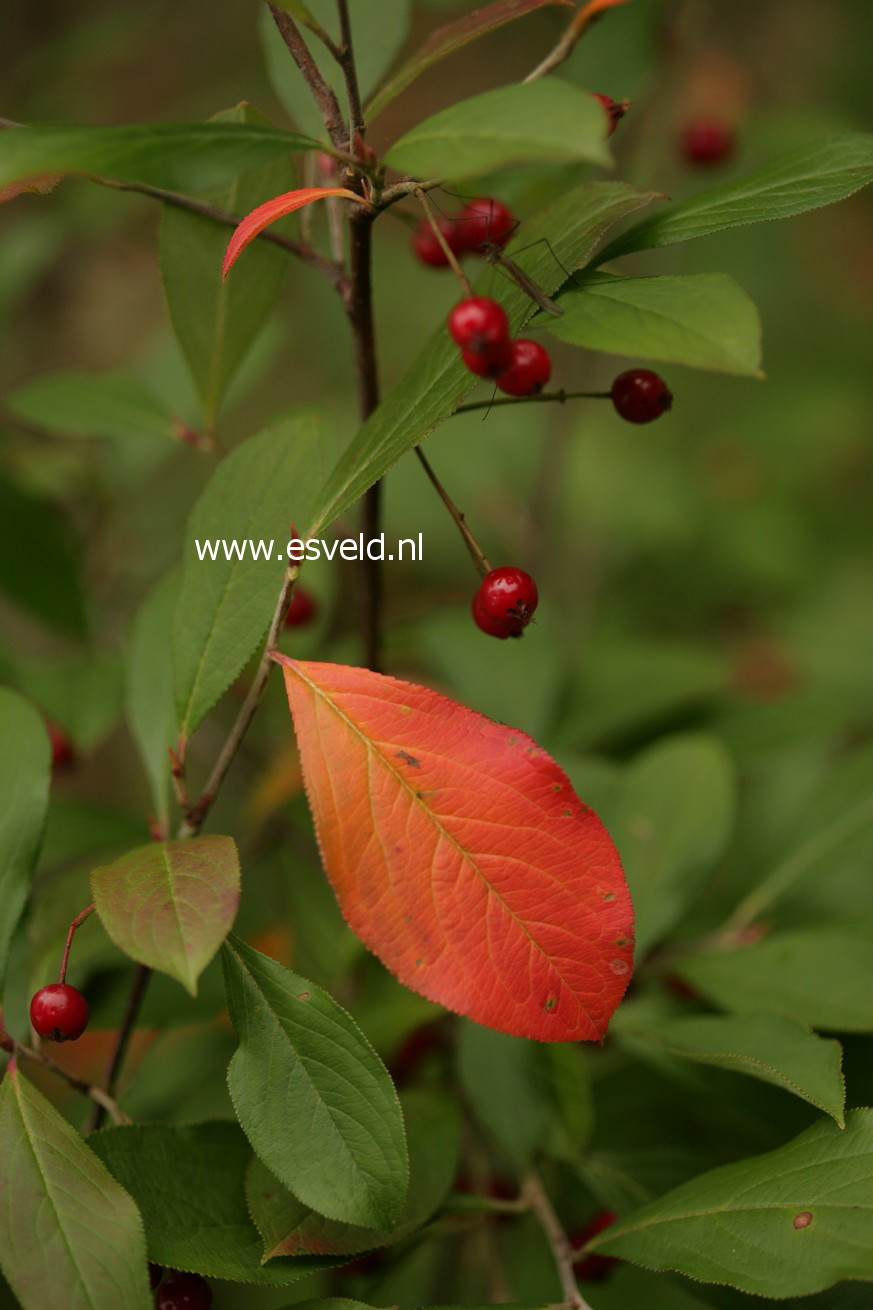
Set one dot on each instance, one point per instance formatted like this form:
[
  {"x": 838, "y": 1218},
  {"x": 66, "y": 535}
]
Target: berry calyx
[
  {"x": 640, "y": 396},
  {"x": 59, "y": 1012},
  {"x": 427, "y": 248},
  {"x": 485, "y": 220},
  {"x": 479, "y": 325},
  {"x": 615, "y": 110},
  {"x": 529, "y": 369},
  {"x": 507, "y": 596},
  {"x": 62, "y": 748},
  {"x": 708, "y": 141},
  {"x": 594, "y": 1268},
  {"x": 302, "y": 610},
  {"x": 184, "y": 1292}
]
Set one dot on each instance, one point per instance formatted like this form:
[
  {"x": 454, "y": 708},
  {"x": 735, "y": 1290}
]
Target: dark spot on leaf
[
  {"x": 568, "y": 814},
  {"x": 803, "y": 1220},
  {"x": 419, "y": 963},
  {"x": 619, "y": 966},
  {"x": 609, "y": 896},
  {"x": 556, "y": 786},
  {"x": 410, "y": 759},
  {"x": 404, "y": 709},
  {"x": 303, "y": 996},
  {"x": 621, "y": 941},
  {"x": 550, "y": 1002}
]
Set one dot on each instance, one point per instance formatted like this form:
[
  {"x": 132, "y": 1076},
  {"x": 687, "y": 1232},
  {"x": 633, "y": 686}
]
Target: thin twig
[
  {"x": 104, "y": 1102},
  {"x": 579, "y": 24},
  {"x": 476, "y": 552},
  {"x": 322, "y": 94},
  {"x": 541, "y": 398},
  {"x": 122, "y": 1040},
  {"x": 562, "y": 1251},
  {"x": 345, "y": 57},
  {"x": 77, "y": 923},
  {"x": 450, "y": 255}
]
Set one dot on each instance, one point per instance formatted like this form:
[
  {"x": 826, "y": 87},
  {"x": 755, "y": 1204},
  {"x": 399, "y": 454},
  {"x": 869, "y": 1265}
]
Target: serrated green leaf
[
  {"x": 568, "y": 1089},
  {"x": 217, "y": 320},
  {"x": 290, "y": 1228},
  {"x": 819, "y": 976},
  {"x": 25, "y": 773},
  {"x": 151, "y": 712},
  {"x": 671, "y": 823},
  {"x": 806, "y": 179},
  {"x": 187, "y": 157},
  {"x": 502, "y": 1077},
  {"x": 789, "y": 1223},
  {"x": 189, "y": 1184},
  {"x": 67, "y": 1230},
  {"x": 224, "y": 606},
  {"x": 171, "y": 904},
  {"x": 547, "y": 121},
  {"x": 776, "y": 1050},
  {"x": 92, "y": 405},
  {"x": 434, "y": 386},
  {"x": 313, "y": 1097},
  {"x": 81, "y": 695},
  {"x": 702, "y": 320}
]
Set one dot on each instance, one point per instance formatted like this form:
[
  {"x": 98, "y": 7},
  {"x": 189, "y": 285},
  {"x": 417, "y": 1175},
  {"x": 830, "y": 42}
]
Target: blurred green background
[{"x": 711, "y": 573}]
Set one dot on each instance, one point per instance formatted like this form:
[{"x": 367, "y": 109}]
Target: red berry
[
  {"x": 479, "y": 325},
  {"x": 302, "y": 610},
  {"x": 485, "y": 220},
  {"x": 184, "y": 1292},
  {"x": 62, "y": 748},
  {"x": 508, "y": 595},
  {"x": 428, "y": 249},
  {"x": 493, "y": 627},
  {"x": 708, "y": 141},
  {"x": 490, "y": 365},
  {"x": 529, "y": 370},
  {"x": 594, "y": 1268},
  {"x": 639, "y": 395},
  {"x": 615, "y": 110},
  {"x": 59, "y": 1012}
]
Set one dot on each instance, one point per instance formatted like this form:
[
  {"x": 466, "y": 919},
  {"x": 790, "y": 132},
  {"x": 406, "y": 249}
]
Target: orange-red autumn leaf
[
  {"x": 461, "y": 855},
  {"x": 42, "y": 185},
  {"x": 255, "y": 222}
]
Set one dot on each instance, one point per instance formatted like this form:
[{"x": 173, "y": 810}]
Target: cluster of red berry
[
  {"x": 480, "y": 327},
  {"x": 484, "y": 221}
]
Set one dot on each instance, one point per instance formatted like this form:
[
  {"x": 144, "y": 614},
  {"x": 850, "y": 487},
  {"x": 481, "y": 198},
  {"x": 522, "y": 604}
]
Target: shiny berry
[
  {"x": 184, "y": 1292},
  {"x": 302, "y": 610},
  {"x": 641, "y": 395},
  {"x": 615, "y": 110},
  {"x": 62, "y": 748},
  {"x": 59, "y": 1012},
  {"x": 479, "y": 325},
  {"x": 485, "y": 220},
  {"x": 529, "y": 370},
  {"x": 508, "y": 595},
  {"x": 594, "y": 1268},
  {"x": 708, "y": 141},
  {"x": 493, "y": 627},
  {"x": 426, "y": 247}
]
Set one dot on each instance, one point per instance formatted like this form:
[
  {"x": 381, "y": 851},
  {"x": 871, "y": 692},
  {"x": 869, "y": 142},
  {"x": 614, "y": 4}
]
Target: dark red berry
[
  {"x": 302, "y": 610},
  {"x": 508, "y": 595},
  {"x": 485, "y": 220},
  {"x": 594, "y": 1268},
  {"x": 184, "y": 1292},
  {"x": 156, "y": 1272},
  {"x": 708, "y": 141},
  {"x": 615, "y": 110},
  {"x": 428, "y": 249},
  {"x": 529, "y": 370},
  {"x": 489, "y": 365},
  {"x": 62, "y": 748},
  {"x": 59, "y": 1012},
  {"x": 479, "y": 325},
  {"x": 639, "y": 395},
  {"x": 493, "y": 627}
]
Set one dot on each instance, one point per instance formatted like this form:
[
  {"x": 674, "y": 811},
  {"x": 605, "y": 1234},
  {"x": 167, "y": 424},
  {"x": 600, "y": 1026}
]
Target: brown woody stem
[
  {"x": 476, "y": 552},
  {"x": 102, "y": 1099},
  {"x": 77, "y": 923},
  {"x": 321, "y": 93},
  {"x": 541, "y": 398},
  {"x": 562, "y": 1251}
]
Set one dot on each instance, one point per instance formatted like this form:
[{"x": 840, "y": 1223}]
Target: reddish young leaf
[
  {"x": 255, "y": 222},
  {"x": 461, "y": 855},
  {"x": 589, "y": 12}
]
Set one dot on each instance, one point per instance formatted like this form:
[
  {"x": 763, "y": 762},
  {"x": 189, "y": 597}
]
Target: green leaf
[
  {"x": 25, "y": 771},
  {"x": 151, "y": 712},
  {"x": 82, "y": 695},
  {"x": 313, "y": 1097},
  {"x": 189, "y": 1184},
  {"x": 225, "y": 605},
  {"x": 182, "y": 157},
  {"x": 568, "y": 1089},
  {"x": 765, "y": 1046},
  {"x": 820, "y": 976},
  {"x": 50, "y": 586},
  {"x": 702, "y": 320},
  {"x": 806, "y": 179},
  {"x": 671, "y": 823},
  {"x": 290, "y": 1228},
  {"x": 547, "y": 120},
  {"x": 788, "y": 1223},
  {"x": 171, "y": 904},
  {"x": 446, "y": 40},
  {"x": 434, "y": 386},
  {"x": 92, "y": 405},
  {"x": 502, "y": 1078},
  {"x": 68, "y": 1232},
  {"x": 216, "y": 321}
]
